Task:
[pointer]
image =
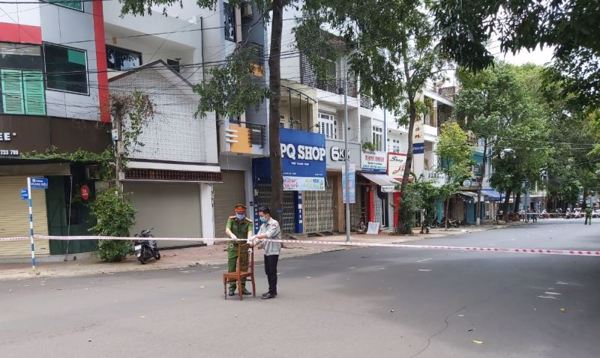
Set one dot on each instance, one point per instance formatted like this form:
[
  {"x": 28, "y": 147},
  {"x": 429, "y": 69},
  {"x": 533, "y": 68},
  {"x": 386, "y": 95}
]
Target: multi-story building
[{"x": 54, "y": 97}]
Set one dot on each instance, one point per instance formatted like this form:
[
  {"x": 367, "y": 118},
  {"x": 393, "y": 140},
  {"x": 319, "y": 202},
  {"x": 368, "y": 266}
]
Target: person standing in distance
[
  {"x": 269, "y": 230},
  {"x": 238, "y": 227}
]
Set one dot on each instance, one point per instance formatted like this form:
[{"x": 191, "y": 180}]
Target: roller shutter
[
  {"x": 227, "y": 194},
  {"x": 14, "y": 218}
]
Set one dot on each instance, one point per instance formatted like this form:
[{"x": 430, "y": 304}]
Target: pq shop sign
[{"x": 303, "y": 160}]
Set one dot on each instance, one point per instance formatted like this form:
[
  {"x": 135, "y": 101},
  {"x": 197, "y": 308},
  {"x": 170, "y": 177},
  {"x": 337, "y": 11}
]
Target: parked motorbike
[{"x": 146, "y": 249}]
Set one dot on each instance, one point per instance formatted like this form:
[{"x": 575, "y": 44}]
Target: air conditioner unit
[
  {"x": 246, "y": 9},
  {"x": 92, "y": 172}
]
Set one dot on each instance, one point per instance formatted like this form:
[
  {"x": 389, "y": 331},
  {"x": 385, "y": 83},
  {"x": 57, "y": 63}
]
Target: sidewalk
[{"x": 208, "y": 255}]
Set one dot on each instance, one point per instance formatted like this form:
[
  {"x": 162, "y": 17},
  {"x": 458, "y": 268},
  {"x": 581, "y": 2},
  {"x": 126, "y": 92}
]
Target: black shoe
[
  {"x": 232, "y": 292},
  {"x": 268, "y": 296},
  {"x": 246, "y": 292}
]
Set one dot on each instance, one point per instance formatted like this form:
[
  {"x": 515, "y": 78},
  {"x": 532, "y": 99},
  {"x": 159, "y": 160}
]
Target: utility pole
[
  {"x": 118, "y": 140},
  {"x": 346, "y": 154}
]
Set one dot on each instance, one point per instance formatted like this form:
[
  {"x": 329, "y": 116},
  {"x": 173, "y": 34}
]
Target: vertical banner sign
[
  {"x": 418, "y": 147},
  {"x": 351, "y": 184},
  {"x": 396, "y": 164},
  {"x": 303, "y": 160}
]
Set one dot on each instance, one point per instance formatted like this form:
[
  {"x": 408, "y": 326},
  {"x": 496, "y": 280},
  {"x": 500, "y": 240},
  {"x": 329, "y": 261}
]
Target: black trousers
[{"x": 271, "y": 271}]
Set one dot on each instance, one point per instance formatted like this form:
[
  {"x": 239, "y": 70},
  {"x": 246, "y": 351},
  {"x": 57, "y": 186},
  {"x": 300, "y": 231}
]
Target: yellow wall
[{"x": 14, "y": 219}]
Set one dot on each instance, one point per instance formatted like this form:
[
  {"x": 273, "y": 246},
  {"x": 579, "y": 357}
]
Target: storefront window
[{"x": 66, "y": 68}]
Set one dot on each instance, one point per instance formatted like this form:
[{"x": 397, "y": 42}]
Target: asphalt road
[{"x": 356, "y": 303}]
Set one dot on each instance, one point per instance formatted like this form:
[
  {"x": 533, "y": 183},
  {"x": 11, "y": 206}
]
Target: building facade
[{"x": 54, "y": 98}]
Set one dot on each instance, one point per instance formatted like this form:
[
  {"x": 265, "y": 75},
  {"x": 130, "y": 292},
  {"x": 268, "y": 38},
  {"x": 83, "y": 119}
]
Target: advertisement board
[
  {"x": 374, "y": 162},
  {"x": 351, "y": 184},
  {"x": 303, "y": 160},
  {"x": 396, "y": 164}
]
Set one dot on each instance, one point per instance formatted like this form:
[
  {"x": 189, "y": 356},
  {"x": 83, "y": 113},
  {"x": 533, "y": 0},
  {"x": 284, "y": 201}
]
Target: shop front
[
  {"x": 62, "y": 208},
  {"x": 376, "y": 187},
  {"x": 336, "y": 159}
]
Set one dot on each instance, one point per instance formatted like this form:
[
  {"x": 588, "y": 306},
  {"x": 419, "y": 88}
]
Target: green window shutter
[
  {"x": 33, "y": 85},
  {"x": 12, "y": 92}
]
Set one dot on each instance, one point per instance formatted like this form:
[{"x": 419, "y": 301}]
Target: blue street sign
[
  {"x": 24, "y": 194},
  {"x": 39, "y": 183}
]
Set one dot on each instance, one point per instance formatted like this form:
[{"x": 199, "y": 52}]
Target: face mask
[
  {"x": 263, "y": 219},
  {"x": 240, "y": 216}
]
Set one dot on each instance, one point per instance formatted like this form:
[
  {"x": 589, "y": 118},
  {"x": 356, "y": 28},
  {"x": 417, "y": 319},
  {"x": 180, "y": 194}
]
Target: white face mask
[
  {"x": 263, "y": 219},
  {"x": 240, "y": 216}
]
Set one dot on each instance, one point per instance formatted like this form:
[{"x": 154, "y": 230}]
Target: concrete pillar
[{"x": 207, "y": 210}]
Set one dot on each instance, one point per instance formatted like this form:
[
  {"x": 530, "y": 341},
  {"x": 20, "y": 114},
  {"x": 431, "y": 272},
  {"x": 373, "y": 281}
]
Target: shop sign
[
  {"x": 374, "y": 162},
  {"x": 303, "y": 160},
  {"x": 351, "y": 184},
  {"x": 396, "y": 164},
  {"x": 7, "y": 137},
  {"x": 336, "y": 154}
]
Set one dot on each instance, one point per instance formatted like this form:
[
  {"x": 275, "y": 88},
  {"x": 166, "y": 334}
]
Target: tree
[
  {"x": 391, "y": 47},
  {"x": 230, "y": 90},
  {"x": 469, "y": 27},
  {"x": 494, "y": 99},
  {"x": 456, "y": 154}
]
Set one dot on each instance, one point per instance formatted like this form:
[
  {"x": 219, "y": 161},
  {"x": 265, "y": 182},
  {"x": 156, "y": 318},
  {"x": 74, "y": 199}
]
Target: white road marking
[
  {"x": 425, "y": 260},
  {"x": 553, "y": 293},
  {"x": 425, "y": 270},
  {"x": 548, "y": 297}
]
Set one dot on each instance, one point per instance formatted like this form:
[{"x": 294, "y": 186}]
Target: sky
[{"x": 537, "y": 56}]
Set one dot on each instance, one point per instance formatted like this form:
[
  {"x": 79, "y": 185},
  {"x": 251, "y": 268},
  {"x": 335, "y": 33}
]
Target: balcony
[{"x": 242, "y": 138}]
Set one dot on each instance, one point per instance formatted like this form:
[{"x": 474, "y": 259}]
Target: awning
[
  {"x": 468, "y": 196},
  {"x": 386, "y": 182},
  {"x": 491, "y": 194}
]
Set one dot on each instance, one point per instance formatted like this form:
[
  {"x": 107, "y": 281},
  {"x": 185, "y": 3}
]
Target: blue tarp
[{"x": 492, "y": 194}]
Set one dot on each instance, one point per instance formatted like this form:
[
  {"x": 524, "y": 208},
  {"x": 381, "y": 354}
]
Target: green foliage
[
  {"x": 569, "y": 26},
  {"x": 368, "y": 147},
  {"x": 232, "y": 87},
  {"x": 456, "y": 153},
  {"x": 428, "y": 194},
  {"x": 411, "y": 203},
  {"x": 114, "y": 215}
]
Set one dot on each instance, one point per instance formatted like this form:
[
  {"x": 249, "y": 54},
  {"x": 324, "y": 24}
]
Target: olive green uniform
[
  {"x": 588, "y": 216},
  {"x": 241, "y": 229}
]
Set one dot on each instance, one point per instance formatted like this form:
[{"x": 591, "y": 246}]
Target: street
[{"x": 349, "y": 303}]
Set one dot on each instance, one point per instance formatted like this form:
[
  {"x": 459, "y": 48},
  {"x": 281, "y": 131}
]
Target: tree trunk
[
  {"x": 517, "y": 203},
  {"x": 446, "y": 215},
  {"x": 506, "y": 202},
  {"x": 478, "y": 207},
  {"x": 274, "y": 120},
  {"x": 409, "y": 158}
]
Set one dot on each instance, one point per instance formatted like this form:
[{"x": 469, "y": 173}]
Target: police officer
[{"x": 238, "y": 227}]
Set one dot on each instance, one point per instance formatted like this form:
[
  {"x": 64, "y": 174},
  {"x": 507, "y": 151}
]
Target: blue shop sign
[{"x": 303, "y": 160}]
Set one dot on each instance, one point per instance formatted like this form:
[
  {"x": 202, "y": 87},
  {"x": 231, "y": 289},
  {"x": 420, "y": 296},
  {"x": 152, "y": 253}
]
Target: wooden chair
[{"x": 238, "y": 275}]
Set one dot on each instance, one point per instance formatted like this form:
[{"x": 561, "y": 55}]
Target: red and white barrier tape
[{"x": 532, "y": 251}]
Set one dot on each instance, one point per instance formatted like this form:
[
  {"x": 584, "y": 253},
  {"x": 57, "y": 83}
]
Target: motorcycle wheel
[
  {"x": 157, "y": 255},
  {"x": 142, "y": 258}
]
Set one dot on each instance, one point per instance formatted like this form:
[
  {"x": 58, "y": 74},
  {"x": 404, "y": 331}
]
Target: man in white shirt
[{"x": 269, "y": 230}]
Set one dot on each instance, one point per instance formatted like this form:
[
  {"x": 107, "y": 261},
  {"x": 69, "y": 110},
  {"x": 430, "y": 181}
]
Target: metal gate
[
  {"x": 288, "y": 217},
  {"x": 318, "y": 210}
]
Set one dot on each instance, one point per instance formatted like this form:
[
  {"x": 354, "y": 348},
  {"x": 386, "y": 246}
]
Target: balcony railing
[
  {"x": 337, "y": 86},
  {"x": 366, "y": 102}
]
